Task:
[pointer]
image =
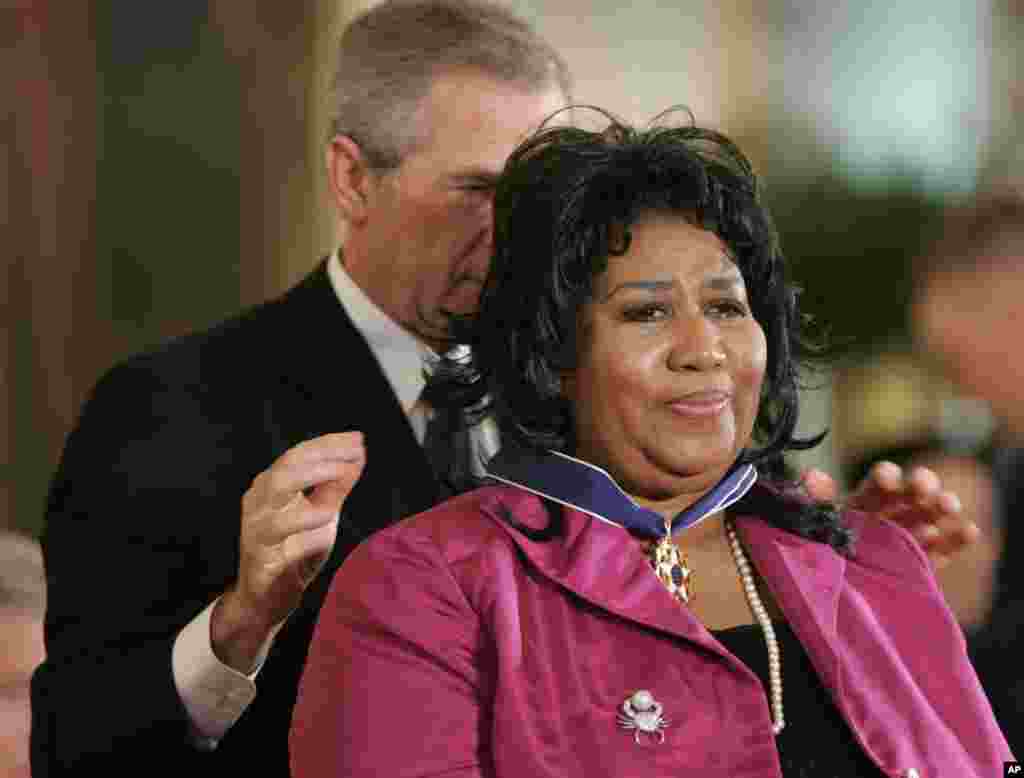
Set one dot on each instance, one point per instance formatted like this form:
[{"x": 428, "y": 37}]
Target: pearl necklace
[{"x": 761, "y": 614}]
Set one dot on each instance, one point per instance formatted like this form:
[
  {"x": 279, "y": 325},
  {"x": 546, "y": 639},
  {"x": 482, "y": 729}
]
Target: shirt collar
[
  {"x": 400, "y": 354},
  {"x": 587, "y": 488}
]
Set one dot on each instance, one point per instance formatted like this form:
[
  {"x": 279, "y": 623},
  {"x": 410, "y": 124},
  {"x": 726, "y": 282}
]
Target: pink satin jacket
[{"x": 452, "y": 645}]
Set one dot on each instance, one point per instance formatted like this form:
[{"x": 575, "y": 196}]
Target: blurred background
[{"x": 163, "y": 169}]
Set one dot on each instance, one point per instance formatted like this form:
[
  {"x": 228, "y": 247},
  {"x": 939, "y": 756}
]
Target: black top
[
  {"x": 816, "y": 741},
  {"x": 996, "y": 644}
]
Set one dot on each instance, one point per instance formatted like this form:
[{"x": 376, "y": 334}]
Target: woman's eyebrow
[
  {"x": 724, "y": 282},
  {"x": 727, "y": 280},
  {"x": 650, "y": 286}
]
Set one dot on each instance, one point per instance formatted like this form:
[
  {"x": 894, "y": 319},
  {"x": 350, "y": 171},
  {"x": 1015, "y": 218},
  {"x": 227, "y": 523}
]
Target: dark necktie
[{"x": 449, "y": 448}]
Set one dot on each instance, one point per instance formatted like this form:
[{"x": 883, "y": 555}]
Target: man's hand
[
  {"x": 289, "y": 524},
  {"x": 915, "y": 501}
]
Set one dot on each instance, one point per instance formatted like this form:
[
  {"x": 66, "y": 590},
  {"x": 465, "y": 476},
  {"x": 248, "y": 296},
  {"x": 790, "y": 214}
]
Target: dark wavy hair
[{"x": 566, "y": 201}]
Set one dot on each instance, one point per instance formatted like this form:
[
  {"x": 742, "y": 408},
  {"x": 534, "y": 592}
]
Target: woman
[{"x": 626, "y": 598}]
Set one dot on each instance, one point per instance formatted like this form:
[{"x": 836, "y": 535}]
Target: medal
[
  {"x": 585, "y": 487},
  {"x": 671, "y": 567}
]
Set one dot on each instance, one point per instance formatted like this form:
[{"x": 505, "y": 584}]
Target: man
[
  {"x": 22, "y": 601},
  {"x": 148, "y": 662},
  {"x": 968, "y": 303},
  {"x": 177, "y": 633},
  {"x": 968, "y": 311}
]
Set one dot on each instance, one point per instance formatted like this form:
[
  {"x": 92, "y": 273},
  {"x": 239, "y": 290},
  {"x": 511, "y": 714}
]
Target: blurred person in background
[
  {"x": 195, "y": 519},
  {"x": 22, "y": 602},
  {"x": 969, "y": 304},
  {"x": 969, "y": 312}
]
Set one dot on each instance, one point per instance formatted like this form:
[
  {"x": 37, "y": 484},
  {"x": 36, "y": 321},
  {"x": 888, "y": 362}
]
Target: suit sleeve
[
  {"x": 395, "y": 680},
  {"x": 141, "y": 534}
]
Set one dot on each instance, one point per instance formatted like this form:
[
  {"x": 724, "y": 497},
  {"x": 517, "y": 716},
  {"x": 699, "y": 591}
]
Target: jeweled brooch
[{"x": 642, "y": 713}]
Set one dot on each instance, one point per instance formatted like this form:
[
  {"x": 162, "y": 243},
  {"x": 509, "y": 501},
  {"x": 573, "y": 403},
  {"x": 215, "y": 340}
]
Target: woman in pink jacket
[{"x": 637, "y": 590}]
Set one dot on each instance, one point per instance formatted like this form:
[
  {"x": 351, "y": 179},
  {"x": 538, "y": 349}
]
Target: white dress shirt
[{"x": 216, "y": 695}]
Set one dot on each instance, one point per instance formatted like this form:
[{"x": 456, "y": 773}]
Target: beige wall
[
  {"x": 286, "y": 223},
  {"x": 637, "y": 60}
]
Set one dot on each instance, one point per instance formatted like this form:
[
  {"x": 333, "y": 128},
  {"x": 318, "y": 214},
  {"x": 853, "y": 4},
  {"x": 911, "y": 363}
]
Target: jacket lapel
[
  {"x": 604, "y": 565},
  {"x": 806, "y": 579}
]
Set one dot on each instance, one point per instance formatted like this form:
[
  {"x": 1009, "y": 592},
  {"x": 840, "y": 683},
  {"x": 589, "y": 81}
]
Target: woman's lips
[{"x": 708, "y": 403}]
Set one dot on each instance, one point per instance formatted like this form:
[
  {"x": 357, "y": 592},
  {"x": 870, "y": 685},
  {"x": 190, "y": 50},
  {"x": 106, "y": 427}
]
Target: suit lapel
[{"x": 333, "y": 383}]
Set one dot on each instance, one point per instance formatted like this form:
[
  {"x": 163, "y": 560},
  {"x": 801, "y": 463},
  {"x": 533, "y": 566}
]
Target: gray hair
[
  {"x": 390, "y": 55},
  {"x": 22, "y": 580}
]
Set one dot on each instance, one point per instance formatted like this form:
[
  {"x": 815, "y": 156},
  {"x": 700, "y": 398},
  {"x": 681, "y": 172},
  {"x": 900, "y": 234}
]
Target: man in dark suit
[
  {"x": 176, "y": 633},
  {"x": 146, "y": 556}
]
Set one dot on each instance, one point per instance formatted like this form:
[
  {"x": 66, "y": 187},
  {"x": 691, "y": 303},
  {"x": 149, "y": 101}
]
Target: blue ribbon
[{"x": 587, "y": 488}]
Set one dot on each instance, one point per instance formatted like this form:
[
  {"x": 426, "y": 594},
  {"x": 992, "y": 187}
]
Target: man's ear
[{"x": 348, "y": 178}]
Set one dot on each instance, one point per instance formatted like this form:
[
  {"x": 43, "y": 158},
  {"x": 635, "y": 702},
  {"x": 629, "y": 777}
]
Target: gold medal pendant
[{"x": 672, "y": 569}]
